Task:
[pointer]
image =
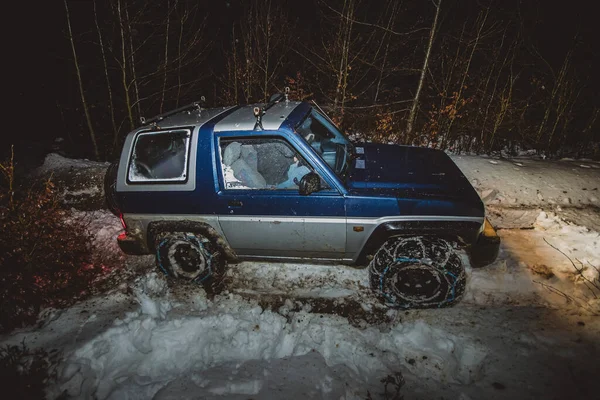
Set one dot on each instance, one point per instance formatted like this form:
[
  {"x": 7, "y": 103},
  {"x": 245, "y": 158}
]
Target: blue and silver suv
[{"x": 199, "y": 187}]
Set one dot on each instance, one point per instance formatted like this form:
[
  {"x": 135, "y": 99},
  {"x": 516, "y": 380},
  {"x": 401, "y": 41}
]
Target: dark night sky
[{"x": 44, "y": 70}]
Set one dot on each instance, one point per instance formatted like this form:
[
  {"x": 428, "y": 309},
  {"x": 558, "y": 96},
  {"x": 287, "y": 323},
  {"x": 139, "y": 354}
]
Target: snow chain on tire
[
  {"x": 189, "y": 256},
  {"x": 417, "y": 272}
]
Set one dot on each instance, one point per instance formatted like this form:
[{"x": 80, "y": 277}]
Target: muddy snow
[{"x": 526, "y": 328}]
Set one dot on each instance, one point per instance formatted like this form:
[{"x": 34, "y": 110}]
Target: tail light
[{"x": 123, "y": 224}]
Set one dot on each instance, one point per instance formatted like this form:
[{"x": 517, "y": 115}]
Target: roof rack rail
[
  {"x": 276, "y": 98},
  {"x": 160, "y": 117}
]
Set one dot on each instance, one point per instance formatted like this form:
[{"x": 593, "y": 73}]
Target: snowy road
[
  {"x": 525, "y": 328},
  {"x": 516, "y": 189}
]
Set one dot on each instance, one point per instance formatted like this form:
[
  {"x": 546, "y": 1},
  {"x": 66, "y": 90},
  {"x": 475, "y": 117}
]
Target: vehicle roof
[
  {"x": 191, "y": 118},
  {"x": 241, "y": 119}
]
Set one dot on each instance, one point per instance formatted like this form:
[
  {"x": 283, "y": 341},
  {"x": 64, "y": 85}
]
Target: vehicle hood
[{"x": 409, "y": 172}]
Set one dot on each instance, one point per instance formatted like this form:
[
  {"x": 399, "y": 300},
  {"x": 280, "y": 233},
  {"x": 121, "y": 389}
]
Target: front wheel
[
  {"x": 417, "y": 272},
  {"x": 189, "y": 256}
]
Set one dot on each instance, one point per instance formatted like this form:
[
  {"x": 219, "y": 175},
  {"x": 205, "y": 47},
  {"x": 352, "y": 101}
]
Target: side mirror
[{"x": 309, "y": 183}]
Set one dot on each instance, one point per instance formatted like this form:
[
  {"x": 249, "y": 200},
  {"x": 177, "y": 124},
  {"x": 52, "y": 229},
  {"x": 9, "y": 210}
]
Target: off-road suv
[{"x": 199, "y": 187}]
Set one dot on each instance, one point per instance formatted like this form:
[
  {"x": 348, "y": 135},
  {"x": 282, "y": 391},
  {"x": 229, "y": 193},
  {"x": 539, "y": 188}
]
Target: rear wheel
[
  {"x": 417, "y": 272},
  {"x": 189, "y": 256}
]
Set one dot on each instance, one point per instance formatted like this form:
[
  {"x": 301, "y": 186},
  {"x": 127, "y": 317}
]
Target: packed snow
[
  {"x": 527, "y": 326},
  {"x": 516, "y": 189}
]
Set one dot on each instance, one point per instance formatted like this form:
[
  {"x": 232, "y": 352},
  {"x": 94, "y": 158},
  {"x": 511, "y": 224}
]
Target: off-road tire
[
  {"x": 191, "y": 257},
  {"x": 417, "y": 272}
]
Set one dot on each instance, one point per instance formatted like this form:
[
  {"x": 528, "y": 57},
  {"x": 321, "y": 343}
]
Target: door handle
[{"x": 235, "y": 204}]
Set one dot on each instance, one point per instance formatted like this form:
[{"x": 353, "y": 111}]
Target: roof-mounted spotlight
[{"x": 258, "y": 113}]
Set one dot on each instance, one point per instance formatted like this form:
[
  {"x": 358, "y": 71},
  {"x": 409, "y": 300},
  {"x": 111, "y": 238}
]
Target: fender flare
[
  {"x": 463, "y": 232},
  {"x": 201, "y": 228}
]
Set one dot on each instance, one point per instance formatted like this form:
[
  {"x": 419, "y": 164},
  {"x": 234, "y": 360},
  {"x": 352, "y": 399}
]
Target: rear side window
[{"x": 160, "y": 157}]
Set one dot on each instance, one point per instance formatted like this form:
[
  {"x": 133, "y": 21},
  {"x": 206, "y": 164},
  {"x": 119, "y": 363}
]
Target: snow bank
[
  {"x": 104, "y": 227},
  {"x": 162, "y": 346},
  {"x": 55, "y": 162},
  {"x": 79, "y": 183}
]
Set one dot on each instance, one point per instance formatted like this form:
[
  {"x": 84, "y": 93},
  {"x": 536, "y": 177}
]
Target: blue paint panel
[
  {"x": 295, "y": 117},
  {"x": 397, "y": 180},
  {"x": 425, "y": 182},
  {"x": 370, "y": 206},
  {"x": 279, "y": 202}
]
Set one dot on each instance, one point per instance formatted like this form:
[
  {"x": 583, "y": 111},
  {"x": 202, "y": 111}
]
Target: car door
[{"x": 261, "y": 211}]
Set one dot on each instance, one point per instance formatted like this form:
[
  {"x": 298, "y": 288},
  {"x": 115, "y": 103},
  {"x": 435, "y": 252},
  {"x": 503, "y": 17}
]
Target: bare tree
[
  {"x": 79, "y": 81},
  {"x": 415, "y": 105},
  {"x": 259, "y": 45},
  {"x": 111, "y": 107},
  {"x": 123, "y": 66},
  {"x": 166, "y": 63}
]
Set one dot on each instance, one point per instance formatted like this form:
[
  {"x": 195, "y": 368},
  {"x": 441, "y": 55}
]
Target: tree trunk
[
  {"x": 415, "y": 105},
  {"x": 83, "y": 101},
  {"x": 134, "y": 78},
  {"x": 124, "y": 68},
  {"x": 162, "y": 96},
  {"x": 464, "y": 78},
  {"x": 108, "y": 85}
]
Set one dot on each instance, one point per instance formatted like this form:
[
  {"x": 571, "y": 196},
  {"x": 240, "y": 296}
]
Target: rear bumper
[
  {"x": 485, "y": 250},
  {"x": 131, "y": 245}
]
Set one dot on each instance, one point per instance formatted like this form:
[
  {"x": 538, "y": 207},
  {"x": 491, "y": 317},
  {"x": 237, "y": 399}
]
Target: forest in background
[{"x": 474, "y": 76}]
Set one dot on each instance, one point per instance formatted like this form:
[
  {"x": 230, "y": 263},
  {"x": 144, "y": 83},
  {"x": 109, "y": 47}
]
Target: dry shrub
[
  {"x": 26, "y": 372},
  {"x": 44, "y": 260}
]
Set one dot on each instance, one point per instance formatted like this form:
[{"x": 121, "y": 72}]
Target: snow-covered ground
[
  {"x": 516, "y": 189},
  {"x": 526, "y": 328}
]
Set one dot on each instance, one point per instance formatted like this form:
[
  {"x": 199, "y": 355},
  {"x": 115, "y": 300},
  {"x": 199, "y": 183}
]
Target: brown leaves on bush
[{"x": 44, "y": 260}]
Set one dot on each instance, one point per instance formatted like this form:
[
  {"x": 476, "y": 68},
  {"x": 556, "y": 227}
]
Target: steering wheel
[{"x": 144, "y": 169}]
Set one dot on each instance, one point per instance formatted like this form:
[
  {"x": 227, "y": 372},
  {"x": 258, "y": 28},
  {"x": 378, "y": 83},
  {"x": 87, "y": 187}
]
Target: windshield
[{"x": 331, "y": 144}]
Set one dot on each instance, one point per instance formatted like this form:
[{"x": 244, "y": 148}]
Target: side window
[
  {"x": 160, "y": 157},
  {"x": 265, "y": 163}
]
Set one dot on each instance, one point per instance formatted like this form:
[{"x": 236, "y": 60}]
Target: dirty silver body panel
[
  {"x": 137, "y": 224},
  {"x": 279, "y": 237}
]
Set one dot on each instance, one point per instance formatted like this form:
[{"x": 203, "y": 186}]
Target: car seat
[
  {"x": 274, "y": 158},
  {"x": 242, "y": 170}
]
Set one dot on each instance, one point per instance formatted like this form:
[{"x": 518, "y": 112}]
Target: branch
[
  {"x": 566, "y": 296},
  {"x": 579, "y": 271},
  {"x": 374, "y": 25},
  {"x": 380, "y": 105}
]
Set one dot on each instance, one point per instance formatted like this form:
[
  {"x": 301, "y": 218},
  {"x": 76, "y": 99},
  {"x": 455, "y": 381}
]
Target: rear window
[{"x": 160, "y": 156}]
